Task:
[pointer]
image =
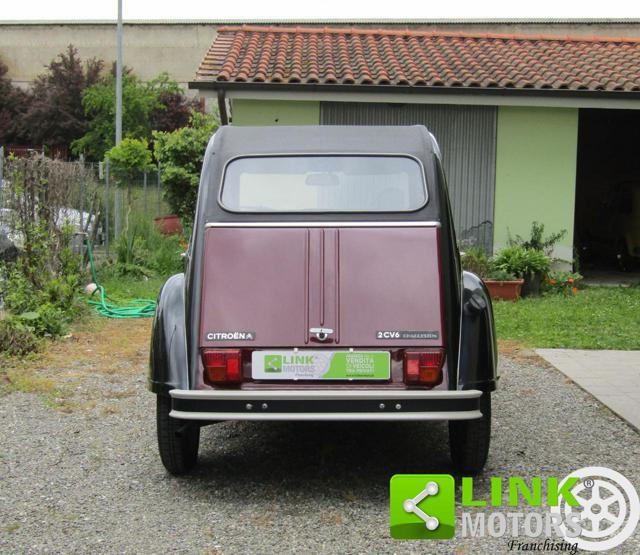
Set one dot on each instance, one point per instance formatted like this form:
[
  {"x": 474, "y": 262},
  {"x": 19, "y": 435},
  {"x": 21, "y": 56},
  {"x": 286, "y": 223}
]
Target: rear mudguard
[
  {"x": 478, "y": 349},
  {"x": 168, "y": 368}
]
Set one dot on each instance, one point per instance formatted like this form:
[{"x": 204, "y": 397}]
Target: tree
[
  {"x": 180, "y": 154},
  {"x": 159, "y": 103},
  {"x": 99, "y": 103},
  {"x": 128, "y": 159},
  {"x": 174, "y": 109},
  {"x": 14, "y": 102},
  {"x": 55, "y": 116}
]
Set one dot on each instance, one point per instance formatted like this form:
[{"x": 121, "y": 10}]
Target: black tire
[
  {"x": 469, "y": 440},
  {"x": 178, "y": 440}
]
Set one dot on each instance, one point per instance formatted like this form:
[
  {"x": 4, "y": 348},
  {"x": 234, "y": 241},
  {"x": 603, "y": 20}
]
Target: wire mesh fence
[{"x": 86, "y": 196}]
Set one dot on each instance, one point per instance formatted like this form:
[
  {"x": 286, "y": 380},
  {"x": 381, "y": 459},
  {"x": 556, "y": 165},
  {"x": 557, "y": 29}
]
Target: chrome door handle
[{"x": 322, "y": 334}]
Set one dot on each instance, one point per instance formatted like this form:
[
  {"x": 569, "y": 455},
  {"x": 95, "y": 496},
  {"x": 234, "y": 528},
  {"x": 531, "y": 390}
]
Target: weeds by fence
[
  {"x": 51, "y": 211},
  {"x": 85, "y": 194}
]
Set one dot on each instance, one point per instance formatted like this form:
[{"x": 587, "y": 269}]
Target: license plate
[{"x": 320, "y": 365}]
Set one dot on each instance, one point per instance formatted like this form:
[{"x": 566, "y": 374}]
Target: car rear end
[{"x": 323, "y": 298}]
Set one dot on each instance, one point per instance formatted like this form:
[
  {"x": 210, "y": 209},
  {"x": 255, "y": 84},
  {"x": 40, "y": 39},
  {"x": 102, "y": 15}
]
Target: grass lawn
[
  {"x": 123, "y": 288},
  {"x": 120, "y": 293},
  {"x": 595, "y": 318}
]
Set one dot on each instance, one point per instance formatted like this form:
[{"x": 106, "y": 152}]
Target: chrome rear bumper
[{"x": 296, "y": 404}]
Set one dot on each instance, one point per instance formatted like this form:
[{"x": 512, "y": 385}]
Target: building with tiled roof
[
  {"x": 416, "y": 59},
  {"x": 533, "y": 127}
]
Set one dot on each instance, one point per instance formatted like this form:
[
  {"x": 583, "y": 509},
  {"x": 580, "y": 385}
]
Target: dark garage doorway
[{"x": 607, "y": 210}]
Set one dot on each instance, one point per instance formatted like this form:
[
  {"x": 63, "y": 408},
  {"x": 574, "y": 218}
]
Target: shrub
[
  {"x": 180, "y": 155},
  {"x": 497, "y": 274},
  {"x": 165, "y": 253},
  {"x": 566, "y": 283},
  {"x": 39, "y": 289},
  {"x": 46, "y": 311},
  {"x": 32, "y": 282},
  {"x": 131, "y": 251},
  {"x": 537, "y": 241},
  {"x": 474, "y": 259},
  {"x": 16, "y": 339},
  {"x": 47, "y": 320},
  {"x": 522, "y": 262},
  {"x": 129, "y": 159},
  {"x": 142, "y": 250}
]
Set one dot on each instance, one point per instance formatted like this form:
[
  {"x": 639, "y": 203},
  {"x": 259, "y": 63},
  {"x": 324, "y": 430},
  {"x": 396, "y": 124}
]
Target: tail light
[
  {"x": 423, "y": 367},
  {"x": 222, "y": 366}
]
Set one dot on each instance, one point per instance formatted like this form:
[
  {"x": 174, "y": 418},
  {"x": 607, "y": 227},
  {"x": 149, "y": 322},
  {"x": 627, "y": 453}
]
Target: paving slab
[
  {"x": 611, "y": 278},
  {"x": 612, "y": 377}
]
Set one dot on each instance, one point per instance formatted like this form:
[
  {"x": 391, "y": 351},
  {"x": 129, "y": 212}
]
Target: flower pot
[
  {"x": 169, "y": 225},
  {"x": 532, "y": 283},
  {"x": 504, "y": 290}
]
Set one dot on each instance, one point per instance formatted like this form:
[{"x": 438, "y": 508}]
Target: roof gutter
[
  {"x": 341, "y": 21},
  {"x": 223, "y": 86}
]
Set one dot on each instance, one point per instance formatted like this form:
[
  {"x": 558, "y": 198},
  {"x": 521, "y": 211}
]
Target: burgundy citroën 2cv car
[{"x": 323, "y": 282}]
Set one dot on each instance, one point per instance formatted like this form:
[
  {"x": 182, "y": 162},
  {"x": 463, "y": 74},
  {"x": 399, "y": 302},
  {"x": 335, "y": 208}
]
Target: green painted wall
[
  {"x": 536, "y": 173},
  {"x": 274, "y": 112}
]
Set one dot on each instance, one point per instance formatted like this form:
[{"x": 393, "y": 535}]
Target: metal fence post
[
  {"x": 144, "y": 186},
  {"x": 82, "y": 175},
  {"x": 117, "y": 208},
  {"x": 106, "y": 205},
  {"x": 158, "y": 192}
]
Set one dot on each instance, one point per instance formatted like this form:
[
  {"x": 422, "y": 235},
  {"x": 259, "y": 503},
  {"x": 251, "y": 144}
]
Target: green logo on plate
[
  {"x": 422, "y": 506},
  {"x": 273, "y": 363}
]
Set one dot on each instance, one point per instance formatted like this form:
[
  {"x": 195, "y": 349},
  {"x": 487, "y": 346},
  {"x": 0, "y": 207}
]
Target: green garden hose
[{"x": 139, "y": 308}]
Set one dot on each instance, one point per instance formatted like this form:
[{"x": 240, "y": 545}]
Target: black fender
[
  {"x": 168, "y": 368},
  {"x": 478, "y": 348}
]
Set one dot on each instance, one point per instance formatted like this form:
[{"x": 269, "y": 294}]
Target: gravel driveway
[{"x": 90, "y": 481}]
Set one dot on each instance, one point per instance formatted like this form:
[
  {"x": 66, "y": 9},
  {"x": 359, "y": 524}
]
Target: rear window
[{"x": 323, "y": 184}]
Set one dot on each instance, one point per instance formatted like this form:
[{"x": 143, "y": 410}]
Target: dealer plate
[{"x": 320, "y": 365}]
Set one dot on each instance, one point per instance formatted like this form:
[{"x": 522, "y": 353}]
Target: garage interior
[{"x": 607, "y": 210}]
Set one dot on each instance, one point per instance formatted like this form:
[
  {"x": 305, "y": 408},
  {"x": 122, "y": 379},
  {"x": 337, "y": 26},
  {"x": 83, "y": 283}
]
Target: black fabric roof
[{"x": 232, "y": 141}]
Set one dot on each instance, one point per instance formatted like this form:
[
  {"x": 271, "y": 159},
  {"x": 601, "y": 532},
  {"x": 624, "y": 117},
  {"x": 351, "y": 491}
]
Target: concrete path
[
  {"x": 612, "y": 377},
  {"x": 611, "y": 278}
]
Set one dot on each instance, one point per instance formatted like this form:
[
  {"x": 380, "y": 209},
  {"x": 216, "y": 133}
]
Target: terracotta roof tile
[{"x": 264, "y": 54}]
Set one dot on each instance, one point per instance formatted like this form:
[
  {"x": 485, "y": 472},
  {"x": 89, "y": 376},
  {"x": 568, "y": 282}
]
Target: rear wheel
[
  {"x": 178, "y": 440},
  {"x": 469, "y": 440}
]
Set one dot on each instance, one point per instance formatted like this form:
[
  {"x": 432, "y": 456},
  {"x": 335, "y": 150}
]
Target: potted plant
[
  {"x": 169, "y": 225},
  {"x": 503, "y": 285},
  {"x": 474, "y": 259},
  {"x": 524, "y": 262}
]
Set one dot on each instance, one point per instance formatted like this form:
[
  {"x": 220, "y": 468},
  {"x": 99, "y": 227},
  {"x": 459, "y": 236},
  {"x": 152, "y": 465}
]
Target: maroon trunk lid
[{"x": 375, "y": 287}]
